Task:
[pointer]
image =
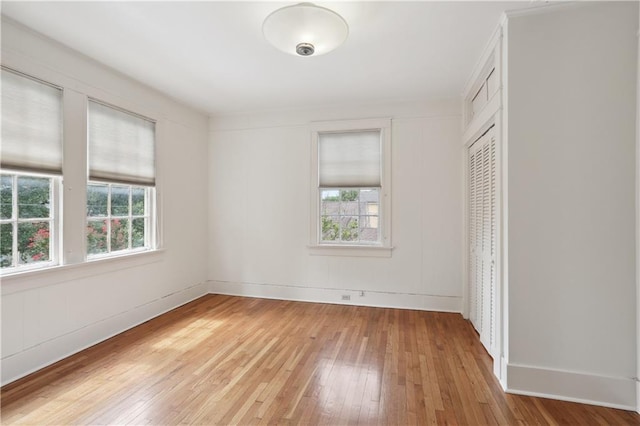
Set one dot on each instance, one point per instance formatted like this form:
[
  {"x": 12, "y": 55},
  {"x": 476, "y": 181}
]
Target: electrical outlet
[{"x": 346, "y": 297}]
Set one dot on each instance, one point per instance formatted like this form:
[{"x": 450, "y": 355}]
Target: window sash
[
  {"x": 15, "y": 221},
  {"x": 121, "y": 146},
  {"x": 339, "y": 216},
  {"x": 31, "y": 125},
  {"x": 130, "y": 216}
]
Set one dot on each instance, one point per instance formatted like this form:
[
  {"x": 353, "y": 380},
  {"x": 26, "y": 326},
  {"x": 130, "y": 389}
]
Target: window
[
  {"x": 349, "y": 215},
  {"x": 117, "y": 218},
  {"x": 351, "y": 185},
  {"x": 26, "y": 221},
  {"x": 31, "y": 163},
  {"x": 103, "y": 164},
  {"x": 121, "y": 181}
]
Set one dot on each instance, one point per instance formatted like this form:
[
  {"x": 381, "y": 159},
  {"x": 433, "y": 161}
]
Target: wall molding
[
  {"x": 378, "y": 299},
  {"x": 301, "y": 117},
  {"x": 46, "y": 353},
  {"x": 29, "y": 280},
  {"x": 584, "y": 388}
]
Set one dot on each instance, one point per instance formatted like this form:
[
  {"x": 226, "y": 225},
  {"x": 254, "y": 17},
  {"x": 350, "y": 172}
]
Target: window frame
[
  {"x": 55, "y": 236},
  {"x": 70, "y": 187},
  {"x": 148, "y": 216},
  {"x": 384, "y": 247},
  {"x": 341, "y": 216}
]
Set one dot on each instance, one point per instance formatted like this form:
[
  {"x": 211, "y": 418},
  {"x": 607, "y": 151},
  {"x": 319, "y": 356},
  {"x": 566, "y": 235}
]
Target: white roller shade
[
  {"x": 31, "y": 125},
  {"x": 121, "y": 146},
  {"x": 349, "y": 159}
]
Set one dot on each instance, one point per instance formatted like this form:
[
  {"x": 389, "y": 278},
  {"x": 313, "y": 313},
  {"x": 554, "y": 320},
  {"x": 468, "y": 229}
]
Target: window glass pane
[
  {"x": 137, "y": 232},
  {"x": 96, "y": 236},
  {"x": 33, "y": 197},
  {"x": 349, "y": 202},
  {"x": 97, "y": 199},
  {"x": 137, "y": 201},
  {"x": 33, "y": 242},
  {"x": 368, "y": 228},
  {"x": 349, "y": 216},
  {"x": 370, "y": 195},
  {"x": 349, "y": 194},
  {"x": 330, "y": 202},
  {"x": 6, "y": 245},
  {"x": 349, "y": 229},
  {"x": 120, "y": 200},
  {"x": 330, "y": 194},
  {"x": 119, "y": 234},
  {"x": 6, "y": 196},
  {"x": 330, "y": 228}
]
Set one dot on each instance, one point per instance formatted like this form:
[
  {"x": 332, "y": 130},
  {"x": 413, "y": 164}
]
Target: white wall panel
[
  {"x": 12, "y": 324},
  {"x": 47, "y": 315},
  {"x": 259, "y": 171},
  {"x": 571, "y": 212}
]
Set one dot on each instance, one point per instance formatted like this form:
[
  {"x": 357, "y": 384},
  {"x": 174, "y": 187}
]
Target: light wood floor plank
[{"x": 231, "y": 360}]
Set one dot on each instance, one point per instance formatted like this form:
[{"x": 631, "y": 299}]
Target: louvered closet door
[{"x": 482, "y": 237}]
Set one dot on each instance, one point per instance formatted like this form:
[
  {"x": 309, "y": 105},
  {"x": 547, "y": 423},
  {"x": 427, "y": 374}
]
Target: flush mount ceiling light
[{"x": 305, "y": 29}]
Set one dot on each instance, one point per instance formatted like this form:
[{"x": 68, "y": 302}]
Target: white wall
[
  {"x": 259, "y": 213},
  {"x": 48, "y": 315},
  {"x": 571, "y": 213}
]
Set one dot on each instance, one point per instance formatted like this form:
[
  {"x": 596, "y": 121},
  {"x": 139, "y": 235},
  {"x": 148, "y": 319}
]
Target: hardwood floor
[{"x": 231, "y": 360}]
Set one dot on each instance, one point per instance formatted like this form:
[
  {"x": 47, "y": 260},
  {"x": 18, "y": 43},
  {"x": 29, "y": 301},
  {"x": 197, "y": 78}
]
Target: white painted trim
[
  {"x": 585, "y": 388},
  {"x": 37, "y": 357},
  {"x": 301, "y": 117},
  {"x": 480, "y": 65},
  {"x": 355, "y": 251},
  {"x": 466, "y": 299},
  {"x": 489, "y": 115},
  {"x": 384, "y": 125},
  {"x": 503, "y": 373},
  {"x": 379, "y": 299},
  {"x": 542, "y": 8},
  {"x": 503, "y": 225},
  {"x": 28, "y": 280},
  {"x": 484, "y": 119},
  {"x": 638, "y": 223}
]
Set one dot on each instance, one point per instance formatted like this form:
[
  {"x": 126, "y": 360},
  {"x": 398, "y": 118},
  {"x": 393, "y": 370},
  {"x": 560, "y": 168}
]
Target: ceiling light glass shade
[{"x": 305, "y": 29}]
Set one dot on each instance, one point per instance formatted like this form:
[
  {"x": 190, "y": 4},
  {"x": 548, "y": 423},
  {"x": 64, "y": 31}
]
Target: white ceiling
[{"x": 212, "y": 55}]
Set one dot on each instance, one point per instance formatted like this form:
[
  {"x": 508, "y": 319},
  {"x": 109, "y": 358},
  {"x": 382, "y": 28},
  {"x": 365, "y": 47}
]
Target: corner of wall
[{"x": 584, "y": 388}]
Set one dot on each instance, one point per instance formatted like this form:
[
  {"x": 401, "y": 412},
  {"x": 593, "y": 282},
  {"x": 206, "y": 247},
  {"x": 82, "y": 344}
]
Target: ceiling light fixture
[{"x": 305, "y": 29}]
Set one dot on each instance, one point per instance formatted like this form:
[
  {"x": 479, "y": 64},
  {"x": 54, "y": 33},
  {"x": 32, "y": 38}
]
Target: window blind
[
  {"x": 121, "y": 146},
  {"x": 349, "y": 159},
  {"x": 31, "y": 125}
]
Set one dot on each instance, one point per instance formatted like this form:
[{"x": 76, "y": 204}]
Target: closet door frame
[
  {"x": 497, "y": 350},
  {"x": 475, "y": 122}
]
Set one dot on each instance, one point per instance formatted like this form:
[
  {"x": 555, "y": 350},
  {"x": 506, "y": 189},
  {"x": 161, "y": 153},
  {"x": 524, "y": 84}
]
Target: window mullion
[
  {"x": 340, "y": 214},
  {"x": 14, "y": 219},
  {"x": 130, "y": 226},
  {"x": 108, "y": 219}
]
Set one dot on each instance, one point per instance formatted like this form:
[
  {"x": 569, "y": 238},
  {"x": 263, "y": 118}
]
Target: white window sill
[
  {"x": 18, "y": 281},
  {"x": 354, "y": 251}
]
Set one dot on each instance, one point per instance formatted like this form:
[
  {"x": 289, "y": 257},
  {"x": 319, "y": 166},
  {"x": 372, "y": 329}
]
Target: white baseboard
[
  {"x": 614, "y": 392},
  {"x": 326, "y": 295},
  {"x": 503, "y": 373},
  {"x": 37, "y": 357}
]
